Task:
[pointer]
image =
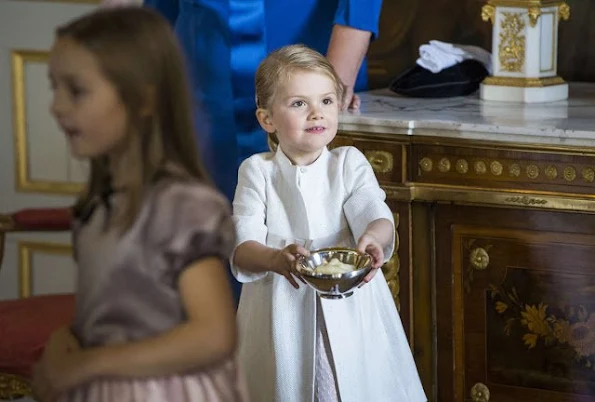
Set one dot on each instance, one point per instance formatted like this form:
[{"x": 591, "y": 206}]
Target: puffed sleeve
[
  {"x": 365, "y": 202},
  {"x": 249, "y": 211},
  {"x": 359, "y": 14},
  {"x": 168, "y": 8},
  {"x": 188, "y": 222}
]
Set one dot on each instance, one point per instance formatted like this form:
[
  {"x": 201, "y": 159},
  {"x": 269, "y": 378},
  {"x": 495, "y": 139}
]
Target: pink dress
[{"x": 127, "y": 288}]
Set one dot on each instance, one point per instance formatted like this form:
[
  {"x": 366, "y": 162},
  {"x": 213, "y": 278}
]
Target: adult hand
[{"x": 351, "y": 100}]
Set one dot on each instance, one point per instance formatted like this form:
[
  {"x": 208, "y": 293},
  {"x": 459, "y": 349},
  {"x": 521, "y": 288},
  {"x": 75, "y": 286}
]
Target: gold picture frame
[
  {"x": 26, "y": 250},
  {"x": 23, "y": 180}
]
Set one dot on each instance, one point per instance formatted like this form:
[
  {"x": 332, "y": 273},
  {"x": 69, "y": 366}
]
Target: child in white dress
[{"x": 294, "y": 346}]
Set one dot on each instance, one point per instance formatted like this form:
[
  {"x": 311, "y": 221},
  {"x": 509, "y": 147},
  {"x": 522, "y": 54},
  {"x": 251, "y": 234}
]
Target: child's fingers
[
  {"x": 376, "y": 254},
  {"x": 297, "y": 249},
  {"x": 291, "y": 279},
  {"x": 368, "y": 277},
  {"x": 294, "y": 270},
  {"x": 297, "y": 275},
  {"x": 362, "y": 246}
]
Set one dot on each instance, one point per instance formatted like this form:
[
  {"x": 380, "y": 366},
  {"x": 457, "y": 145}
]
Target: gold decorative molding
[
  {"x": 563, "y": 12},
  {"x": 480, "y": 393},
  {"x": 488, "y": 13},
  {"x": 532, "y": 171},
  {"x": 480, "y": 167},
  {"x": 392, "y": 267},
  {"x": 514, "y": 170},
  {"x": 569, "y": 173},
  {"x": 26, "y": 250},
  {"x": 534, "y": 13},
  {"x": 479, "y": 258},
  {"x": 433, "y": 192},
  {"x": 511, "y": 49},
  {"x": 496, "y": 168},
  {"x": 551, "y": 172},
  {"x": 444, "y": 165},
  {"x": 588, "y": 175},
  {"x": 525, "y": 3},
  {"x": 426, "y": 164},
  {"x": 14, "y": 387},
  {"x": 524, "y": 200},
  {"x": 381, "y": 161},
  {"x": 23, "y": 180},
  {"x": 524, "y": 82},
  {"x": 533, "y": 7},
  {"x": 462, "y": 166}
]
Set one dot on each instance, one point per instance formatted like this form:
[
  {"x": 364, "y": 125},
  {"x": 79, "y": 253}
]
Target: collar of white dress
[{"x": 287, "y": 165}]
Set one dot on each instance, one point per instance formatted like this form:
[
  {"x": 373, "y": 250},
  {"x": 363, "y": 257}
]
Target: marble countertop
[{"x": 564, "y": 123}]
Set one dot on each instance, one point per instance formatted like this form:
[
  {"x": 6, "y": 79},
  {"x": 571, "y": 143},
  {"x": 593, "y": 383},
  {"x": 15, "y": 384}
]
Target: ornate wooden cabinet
[
  {"x": 515, "y": 293},
  {"x": 494, "y": 273}
]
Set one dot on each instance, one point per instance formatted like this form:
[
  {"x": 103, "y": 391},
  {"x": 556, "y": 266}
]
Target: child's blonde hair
[
  {"x": 138, "y": 53},
  {"x": 276, "y": 69}
]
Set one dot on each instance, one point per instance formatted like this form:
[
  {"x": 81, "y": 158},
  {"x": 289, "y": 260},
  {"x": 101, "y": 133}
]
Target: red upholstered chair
[{"x": 26, "y": 324}]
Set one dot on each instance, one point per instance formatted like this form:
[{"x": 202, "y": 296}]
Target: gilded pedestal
[{"x": 524, "y": 50}]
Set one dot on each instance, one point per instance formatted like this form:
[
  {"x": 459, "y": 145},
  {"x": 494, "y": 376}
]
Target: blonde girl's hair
[
  {"x": 276, "y": 69},
  {"x": 138, "y": 53}
]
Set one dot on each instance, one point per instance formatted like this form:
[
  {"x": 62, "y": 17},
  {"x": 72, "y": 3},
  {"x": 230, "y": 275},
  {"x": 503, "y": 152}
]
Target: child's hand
[
  {"x": 370, "y": 244},
  {"x": 285, "y": 262},
  {"x": 60, "y": 366}
]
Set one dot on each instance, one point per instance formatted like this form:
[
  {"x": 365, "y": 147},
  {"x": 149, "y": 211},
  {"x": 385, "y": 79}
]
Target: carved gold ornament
[
  {"x": 511, "y": 49},
  {"x": 381, "y": 161},
  {"x": 524, "y": 200},
  {"x": 479, "y": 258},
  {"x": 392, "y": 267},
  {"x": 488, "y": 13},
  {"x": 444, "y": 165},
  {"x": 532, "y": 171},
  {"x": 534, "y": 13},
  {"x": 480, "y": 393},
  {"x": 462, "y": 166},
  {"x": 588, "y": 175},
  {"x": 569, "y": 173},
  {"x": 551, "y": 172},
  {"x": 563, "y": 12},
  {"x": 522, "y": 82},
  {"x": 496, "y": 168},
  {"x": 426, "y": 164},
  {"x": 514, "y": 170},
  {"x": 480, "y": 167}
]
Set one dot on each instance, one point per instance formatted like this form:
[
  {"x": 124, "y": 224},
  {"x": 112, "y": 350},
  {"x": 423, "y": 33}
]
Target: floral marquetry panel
[{"x": 524, "y": 312}]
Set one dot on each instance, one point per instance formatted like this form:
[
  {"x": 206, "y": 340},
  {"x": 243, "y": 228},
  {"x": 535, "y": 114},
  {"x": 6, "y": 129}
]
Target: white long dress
[{"x": 329, "y": 203}]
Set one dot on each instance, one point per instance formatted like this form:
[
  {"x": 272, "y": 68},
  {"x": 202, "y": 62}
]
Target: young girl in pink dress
[{"x": 155, "y": 319}]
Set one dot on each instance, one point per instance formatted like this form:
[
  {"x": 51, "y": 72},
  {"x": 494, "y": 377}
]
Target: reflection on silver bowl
[{"x": 334, "y": 286}]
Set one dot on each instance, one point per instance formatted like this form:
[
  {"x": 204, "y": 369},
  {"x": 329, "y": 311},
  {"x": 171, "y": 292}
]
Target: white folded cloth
[{"x": 436, "y": 55}]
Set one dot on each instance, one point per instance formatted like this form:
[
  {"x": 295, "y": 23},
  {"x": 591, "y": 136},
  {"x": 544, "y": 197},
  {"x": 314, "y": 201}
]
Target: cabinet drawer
[
  {"x": 386, "y": 158},
  {"x": 518, "y": 308},
  {"x": 498, "y": 168}
]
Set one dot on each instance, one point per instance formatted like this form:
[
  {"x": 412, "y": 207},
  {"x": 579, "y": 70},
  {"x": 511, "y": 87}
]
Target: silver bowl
[{"x": 334, "y": 286}]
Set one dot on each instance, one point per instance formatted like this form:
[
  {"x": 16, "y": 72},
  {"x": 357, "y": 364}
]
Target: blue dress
[{"x": 224, "y": 41}]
